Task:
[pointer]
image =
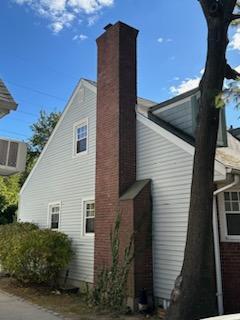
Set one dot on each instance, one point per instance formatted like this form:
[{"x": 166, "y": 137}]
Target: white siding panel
[
  {"x": 61, "y": 177},
  {"x": 170, "y": 169},
  {"x": 180, "y": 116}
]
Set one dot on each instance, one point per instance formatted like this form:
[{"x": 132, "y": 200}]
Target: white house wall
[
  {"x": 61, "y": 177},
  {"x": 170, "y": 168}
]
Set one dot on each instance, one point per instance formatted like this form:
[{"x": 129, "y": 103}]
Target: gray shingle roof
[{"x": 6, "y": 99}]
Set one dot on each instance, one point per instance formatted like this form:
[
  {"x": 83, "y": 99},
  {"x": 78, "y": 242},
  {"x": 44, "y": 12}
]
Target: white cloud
[
  {"x": 161, "y": 40},
  {"x": 56, "y": 26},
  {"x": 235, "y": 42},
  {"x": 187, "y": 84},
  {"x": 237, "y": 68},
  {"x": 62, "y": 13},
  {"x": 80, "y": 37},
  {"x": 92, "y": 20}
]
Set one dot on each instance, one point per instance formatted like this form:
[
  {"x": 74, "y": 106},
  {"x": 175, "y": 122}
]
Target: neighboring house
[
  {"x": 12, "y": 152},
  {"x": 111, "y": 152}
]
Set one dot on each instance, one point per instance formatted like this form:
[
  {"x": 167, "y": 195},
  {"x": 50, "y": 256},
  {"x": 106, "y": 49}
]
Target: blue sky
[{"x": 48, "y": 45}]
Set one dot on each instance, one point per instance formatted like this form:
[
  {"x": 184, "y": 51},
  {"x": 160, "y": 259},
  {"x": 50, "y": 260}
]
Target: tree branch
[
  {"x": 230, "y": 73},
  {"x": 235, "y": 17},
  {"x": 228, "y": 6}
]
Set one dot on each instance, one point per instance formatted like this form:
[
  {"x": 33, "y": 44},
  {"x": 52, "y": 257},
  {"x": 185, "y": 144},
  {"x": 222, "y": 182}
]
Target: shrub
[
  {"x": 33, "y": 255},
  {"x": 110, "y": 290}
]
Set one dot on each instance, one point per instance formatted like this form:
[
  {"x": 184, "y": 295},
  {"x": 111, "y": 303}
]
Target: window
[
  {"x": 81, "y": 137},
  {"x": 232, "y": 212},
  {"x": 54, "y": 216},
  {"x": 89, "y": 216}
]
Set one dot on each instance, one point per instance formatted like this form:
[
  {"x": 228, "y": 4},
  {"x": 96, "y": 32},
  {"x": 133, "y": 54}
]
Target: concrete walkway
[{"x": 14, "y": 308}]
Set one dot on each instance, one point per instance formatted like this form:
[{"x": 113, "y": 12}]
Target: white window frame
[
  {"x": 49, "y": 222},
  {"x": 77, "y": 125},
  {"x": 225, "y": 237},
  {"x": 84, "y": 202}
]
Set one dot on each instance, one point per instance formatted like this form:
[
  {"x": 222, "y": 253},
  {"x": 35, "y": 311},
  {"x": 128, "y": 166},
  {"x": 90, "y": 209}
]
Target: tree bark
[{"x": 194, "y": 294}]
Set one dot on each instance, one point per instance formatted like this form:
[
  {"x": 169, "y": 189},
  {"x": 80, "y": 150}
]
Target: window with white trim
[
  {"x": 81, "y": 137},
  {"x": 232, "y": 212},
  {"x": 54, "y": 216},
  {"x": 89, "y": 217}
]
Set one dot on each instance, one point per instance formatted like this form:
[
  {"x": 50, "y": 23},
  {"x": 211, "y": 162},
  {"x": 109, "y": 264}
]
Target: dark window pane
[
  {"x": 233, "y": 224},
  {"x": 55, "y": 221},
  {"x": 235, "y": 206},
  {"x": 226, "y": 196},
  {"x": 90, "y": 225},
  {"x": 234, "y": 196},
  {"x": 227, "y": 206},
  {"x": 13, "y": 152},
  {"x": 54, "y": 225},
  {"x": 81, "y": 145},
  {"x": 3, "y": 152}
]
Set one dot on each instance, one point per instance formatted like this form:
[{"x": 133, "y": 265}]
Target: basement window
[
  {"x": 89, "y": 217},
  {"x": 81, "y": 137},
  {"x": 54, "y": 215},
  {"x": 232, "y": 213}
]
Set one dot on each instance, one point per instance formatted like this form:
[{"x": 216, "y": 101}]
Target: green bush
[
  {"x": 110, "y": 290},
  {"x": 31, "y": 254}
]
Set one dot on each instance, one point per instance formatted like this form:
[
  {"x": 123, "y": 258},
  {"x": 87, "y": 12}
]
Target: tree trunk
[{"x": 194, "y": 295}]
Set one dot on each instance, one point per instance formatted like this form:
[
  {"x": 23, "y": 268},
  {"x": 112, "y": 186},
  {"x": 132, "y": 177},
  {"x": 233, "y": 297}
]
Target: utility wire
[
  {"x": 28, "y": 60},
  {"x": 35, "y": 90},
  {"x": 15, "y": 133},
  {"x": 20, "y": 120}
]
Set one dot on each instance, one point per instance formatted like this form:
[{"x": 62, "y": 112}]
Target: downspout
[{"x": 217, "y": 246}]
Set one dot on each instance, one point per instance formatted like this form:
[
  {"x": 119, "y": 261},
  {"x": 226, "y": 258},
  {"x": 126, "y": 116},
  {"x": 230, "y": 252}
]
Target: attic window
[{"x": 81, "y": 137}]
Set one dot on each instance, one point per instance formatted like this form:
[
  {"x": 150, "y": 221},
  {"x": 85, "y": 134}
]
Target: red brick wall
[
  {"x": 116, "y": 130},
  {"x": 137, "y": 219},
  {"x": 230, "y": 255},
  {"x": 143, "y": 241},
  {"x": 116, "y": 157}
]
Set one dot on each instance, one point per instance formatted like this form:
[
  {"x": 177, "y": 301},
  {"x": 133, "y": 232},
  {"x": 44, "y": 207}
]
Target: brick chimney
[{"x": 116, "y": 186}]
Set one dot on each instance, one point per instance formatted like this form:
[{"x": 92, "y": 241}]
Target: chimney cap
[{"x": 108, "y": 26}]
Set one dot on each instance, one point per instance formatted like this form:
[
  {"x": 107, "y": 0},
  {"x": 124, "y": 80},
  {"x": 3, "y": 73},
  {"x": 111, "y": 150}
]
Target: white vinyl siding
[
  {"x": 59, "y": 175},
  {"x": 183, "y": 115},
  {"x": 170, "y": 168},
  {"x": 180, "y": 116}
]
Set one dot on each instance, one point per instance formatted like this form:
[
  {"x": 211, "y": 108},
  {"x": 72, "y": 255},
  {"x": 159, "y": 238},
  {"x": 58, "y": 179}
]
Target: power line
[
  {"x": 20, "y": 120},
  {"x": 35, "y": 90},
  {"x": 27, "y": 60},
  {"x": 15, "y": 133},
  {"x": 33, "y": 103},
  {"x": 28, "y": 113}
]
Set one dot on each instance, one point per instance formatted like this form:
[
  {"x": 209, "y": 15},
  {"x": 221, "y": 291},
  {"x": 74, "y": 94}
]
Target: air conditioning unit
[{"x": 12, "y": 156}]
